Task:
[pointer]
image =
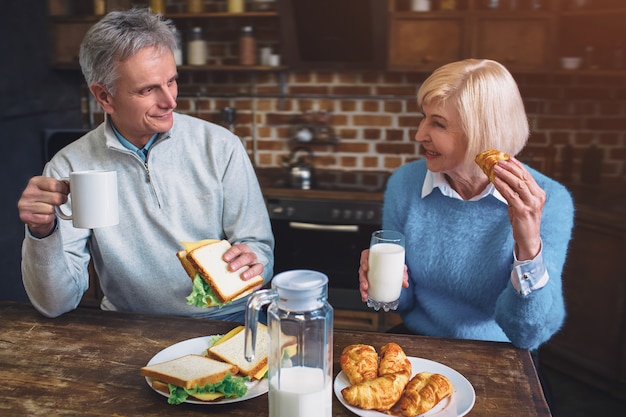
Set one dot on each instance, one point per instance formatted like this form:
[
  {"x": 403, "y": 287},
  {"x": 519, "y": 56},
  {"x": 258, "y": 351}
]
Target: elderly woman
[{"x": 484, "y": 259}]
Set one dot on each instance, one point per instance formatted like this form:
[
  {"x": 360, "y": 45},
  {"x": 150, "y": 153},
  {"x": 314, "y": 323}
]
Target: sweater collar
[
  {"x": 438, "y": 180},
  {"x": 115, "y": 140}
]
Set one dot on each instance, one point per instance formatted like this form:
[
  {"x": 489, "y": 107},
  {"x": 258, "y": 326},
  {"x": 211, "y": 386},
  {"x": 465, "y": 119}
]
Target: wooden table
[{"x": 87, "y": 363}]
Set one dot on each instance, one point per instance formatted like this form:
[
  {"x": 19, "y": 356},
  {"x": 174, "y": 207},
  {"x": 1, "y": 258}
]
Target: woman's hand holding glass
[{"x": 382, "y": 272}]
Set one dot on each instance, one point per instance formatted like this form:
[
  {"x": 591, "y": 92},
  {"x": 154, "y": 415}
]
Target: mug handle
[{"x": 59, "y": 210}]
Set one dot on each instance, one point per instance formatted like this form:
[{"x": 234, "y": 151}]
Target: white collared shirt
[{"x": 526, "y": 276}]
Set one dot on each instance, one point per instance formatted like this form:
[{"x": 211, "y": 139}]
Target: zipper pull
[{"x": 147, "y": 171}]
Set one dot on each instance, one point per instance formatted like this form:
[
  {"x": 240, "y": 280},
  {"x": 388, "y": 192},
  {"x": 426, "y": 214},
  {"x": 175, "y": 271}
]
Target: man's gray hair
[{"x": 118, "y": 36}]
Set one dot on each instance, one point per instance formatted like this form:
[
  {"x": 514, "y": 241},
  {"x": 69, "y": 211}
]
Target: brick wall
[
  {"x": 373, "y": 113},
  {"x": 373, "y": 116}
]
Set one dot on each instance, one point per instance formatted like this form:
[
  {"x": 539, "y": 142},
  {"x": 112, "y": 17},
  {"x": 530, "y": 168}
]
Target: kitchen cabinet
[
  {"x": 521, "y": 38},
  {"x": 425, "y": 42},
  {"x": 594, "y": 30},
  {"x": 521, "y": 43},
  {"x": 591, "y": 346},
  {"x": 66, "y": 34}
]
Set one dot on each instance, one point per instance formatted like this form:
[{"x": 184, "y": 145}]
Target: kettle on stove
[{"x": 300, "y": 168}]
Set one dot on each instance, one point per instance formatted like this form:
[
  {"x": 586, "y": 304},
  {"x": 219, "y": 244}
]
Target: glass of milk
[{"x": 386, "y": 269}]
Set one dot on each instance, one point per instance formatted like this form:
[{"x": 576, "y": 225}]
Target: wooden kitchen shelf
[
  {"x": 209, "y": 15},
  {"x": 67, "y": 32},
  {"x": 241, "y": 68}
]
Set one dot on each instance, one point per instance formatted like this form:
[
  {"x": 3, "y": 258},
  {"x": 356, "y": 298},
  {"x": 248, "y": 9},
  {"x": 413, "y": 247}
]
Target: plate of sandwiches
[
  {"x": 423, "y": 387},
  {"x": 210, "y": 369}
]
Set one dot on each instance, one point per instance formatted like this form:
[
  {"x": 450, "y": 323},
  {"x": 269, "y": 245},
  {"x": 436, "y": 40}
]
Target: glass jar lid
[{"x": 300, "y": 289}]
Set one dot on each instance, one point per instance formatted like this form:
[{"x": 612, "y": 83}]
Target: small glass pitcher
[{"x": 300, "y": 325}]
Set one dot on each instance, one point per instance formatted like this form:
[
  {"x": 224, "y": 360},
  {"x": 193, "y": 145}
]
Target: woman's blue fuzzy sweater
[{"x": 460, "y": 257}]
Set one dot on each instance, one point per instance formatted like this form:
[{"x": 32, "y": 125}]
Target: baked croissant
[
  {"x": 359, "y": 363},
  {"x": 488, "y": 159},
  {"x": 423, "y": 392},
  {"x": 393, "y": 359},
  {"x": 377, "y": 394}
]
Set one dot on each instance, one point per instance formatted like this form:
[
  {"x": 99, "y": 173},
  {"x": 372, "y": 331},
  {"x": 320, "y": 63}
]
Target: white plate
[
  {"x": 463, "y": 396},
  {"x": 199, "y": 345}
]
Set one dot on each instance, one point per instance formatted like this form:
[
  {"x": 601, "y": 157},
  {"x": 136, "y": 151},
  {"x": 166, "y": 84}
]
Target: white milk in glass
[
  {"x": 386, "y": 268},
  {"x": 302, "y": 393}
]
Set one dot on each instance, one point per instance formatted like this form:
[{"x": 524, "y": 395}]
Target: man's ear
[{"x": 102, "y": 96}]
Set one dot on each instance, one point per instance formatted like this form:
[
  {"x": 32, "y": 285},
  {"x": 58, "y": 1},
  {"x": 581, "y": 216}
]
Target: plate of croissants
[{"x": 373, "y": 384}]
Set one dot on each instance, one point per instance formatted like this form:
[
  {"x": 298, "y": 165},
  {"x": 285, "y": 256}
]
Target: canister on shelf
[
  {"x": 492, "y": 4},
  {"x": 195, "y": 6},
  {"x": 196, "y": 48},
  {"x": 247, "y": 47},
  {"x": 447, "y": 4},
  {"x": 99, "y": 7},
  {"x": 178, "y": 53},
  {"x": 266, "y": 53},
  {"x": 157, "y": 6},
  {"x": 420, "y": 5},
  {"x": 236, "y": 6}
]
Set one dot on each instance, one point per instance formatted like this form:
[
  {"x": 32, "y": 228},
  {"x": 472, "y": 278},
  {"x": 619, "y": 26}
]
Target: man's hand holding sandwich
[{"x": 220, "y": 272}]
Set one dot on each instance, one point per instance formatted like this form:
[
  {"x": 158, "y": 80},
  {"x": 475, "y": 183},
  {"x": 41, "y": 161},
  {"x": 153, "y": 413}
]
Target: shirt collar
[
  {"x": 438, "y": 180},
  {"x": 143, "y": 152}
]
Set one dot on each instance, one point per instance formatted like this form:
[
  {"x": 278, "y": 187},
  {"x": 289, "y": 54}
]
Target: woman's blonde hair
[{"x": 488, "y": 101}]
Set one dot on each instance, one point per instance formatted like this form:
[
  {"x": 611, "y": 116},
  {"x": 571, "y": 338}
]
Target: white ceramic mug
[{"x": 93, "y": 199}]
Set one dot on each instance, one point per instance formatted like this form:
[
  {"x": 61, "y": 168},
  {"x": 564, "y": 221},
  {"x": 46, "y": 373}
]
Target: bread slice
[
  {"x": 189, "y": 246},
  {"x": 189, "y": 371},
  {"x": 226, "y": 284},
  {"x": 188, "y": 266},
  {"x": 232, "y": 351}
]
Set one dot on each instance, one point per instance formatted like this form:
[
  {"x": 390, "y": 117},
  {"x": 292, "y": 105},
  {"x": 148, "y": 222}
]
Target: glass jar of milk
[{"x": 300, "y": 324}]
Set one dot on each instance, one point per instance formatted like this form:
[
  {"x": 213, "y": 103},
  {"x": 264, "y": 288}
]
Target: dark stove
[{"x": 327, "y": 227}]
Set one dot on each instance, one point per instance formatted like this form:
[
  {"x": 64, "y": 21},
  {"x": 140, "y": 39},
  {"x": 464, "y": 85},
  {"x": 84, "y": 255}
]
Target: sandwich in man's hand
[
  {"x": 214, "y": 284},
  {"x": 197, "y": 376}
]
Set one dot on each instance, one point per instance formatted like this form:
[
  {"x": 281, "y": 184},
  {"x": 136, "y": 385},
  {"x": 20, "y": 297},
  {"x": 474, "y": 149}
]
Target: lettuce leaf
[
  {"x": 202, "y": 295},
  {"x": 230, "y": 386}
]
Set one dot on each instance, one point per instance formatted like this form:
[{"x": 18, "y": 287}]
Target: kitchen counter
[{"x": 327, "y": 185}]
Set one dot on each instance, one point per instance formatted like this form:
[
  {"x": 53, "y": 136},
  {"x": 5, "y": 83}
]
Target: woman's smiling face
[{"x": 443, "y": 143}]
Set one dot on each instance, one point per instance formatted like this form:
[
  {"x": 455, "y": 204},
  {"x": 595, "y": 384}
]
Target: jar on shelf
[
  {"x": 99, "y": 7},
  {"x": 236, "y": 6},
  {"x": 247, "y": 46},
  {"x": 447, "y": 4},
  {"x": 492, "y": 4},
  {"x": 195, "y": 6},
  {"x": 420, "y": 5},
  {"x": 196, "y": 47},
  {"x": 157, "y": 6},
  {"x": 178, "y": 53}
]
